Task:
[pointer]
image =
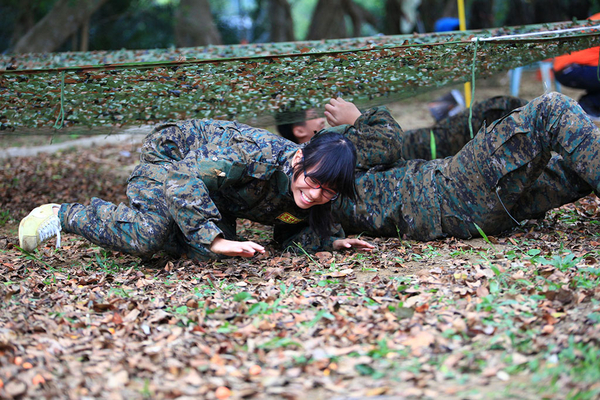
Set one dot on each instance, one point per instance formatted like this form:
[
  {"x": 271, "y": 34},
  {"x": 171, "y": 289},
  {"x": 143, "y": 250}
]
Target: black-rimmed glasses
[{"x": 315, "y": 184}]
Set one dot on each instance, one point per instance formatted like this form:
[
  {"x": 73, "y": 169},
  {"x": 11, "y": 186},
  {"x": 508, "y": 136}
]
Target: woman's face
[{"x": 304, "y": 195}]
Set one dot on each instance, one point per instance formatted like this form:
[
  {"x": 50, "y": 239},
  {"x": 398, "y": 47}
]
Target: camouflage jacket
[
  {"x": 221, "y": 170},
  {"x": 393, "y": 193}
]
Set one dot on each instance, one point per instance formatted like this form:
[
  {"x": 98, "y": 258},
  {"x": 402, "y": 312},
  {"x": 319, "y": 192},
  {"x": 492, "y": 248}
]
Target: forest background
[{"x": 87, "y": 25}]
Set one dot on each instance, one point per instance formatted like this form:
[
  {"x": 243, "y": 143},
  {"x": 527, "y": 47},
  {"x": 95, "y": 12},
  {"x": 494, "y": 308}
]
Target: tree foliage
[
  {"x": 195, "y": 25},
  {"x": 146, "y": 24}
]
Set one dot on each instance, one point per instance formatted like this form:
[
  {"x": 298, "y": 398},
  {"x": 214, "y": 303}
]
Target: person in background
[
  {"x": 579, "y": 70},
  {"x": 299, "y": 126}
]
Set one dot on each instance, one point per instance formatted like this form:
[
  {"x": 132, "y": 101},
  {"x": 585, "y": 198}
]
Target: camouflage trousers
[
  {"x": 539, "y": 157},
  {"x": 142, "y": 228},
  {"x": 536, "y": 158}
]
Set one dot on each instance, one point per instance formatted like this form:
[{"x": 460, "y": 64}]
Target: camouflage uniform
[
  {"x": 195, "y": 178},
  {"x": 536, "y": 158}
]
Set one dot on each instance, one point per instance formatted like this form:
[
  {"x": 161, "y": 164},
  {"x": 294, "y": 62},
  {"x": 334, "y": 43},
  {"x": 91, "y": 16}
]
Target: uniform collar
[{"x": 284, "y": 181}]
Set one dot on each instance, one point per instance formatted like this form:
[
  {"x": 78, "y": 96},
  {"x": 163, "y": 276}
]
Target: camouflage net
[{"x": 94, "y": 92}]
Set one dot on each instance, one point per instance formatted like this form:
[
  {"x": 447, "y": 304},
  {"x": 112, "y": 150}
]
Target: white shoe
[{"x": 41, "y": 224}]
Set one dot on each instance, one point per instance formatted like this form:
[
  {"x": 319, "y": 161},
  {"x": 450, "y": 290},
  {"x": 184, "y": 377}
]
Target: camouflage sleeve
[
  {"x": 187, "y": 193},
  {"x": 377, "y": 137},
  {"x": 304, "y": 237}
]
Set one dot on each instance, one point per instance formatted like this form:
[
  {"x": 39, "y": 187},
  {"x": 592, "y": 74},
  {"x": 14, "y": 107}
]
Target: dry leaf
[
  {"x": 38, "y": 380},
  {"x": 222, "y": 392}
]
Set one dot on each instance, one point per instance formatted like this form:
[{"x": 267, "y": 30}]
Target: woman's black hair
[{"x": 330, "y": 159}]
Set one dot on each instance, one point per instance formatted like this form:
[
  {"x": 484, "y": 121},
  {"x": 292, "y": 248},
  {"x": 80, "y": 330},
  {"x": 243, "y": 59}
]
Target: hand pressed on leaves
[
  {"x": 234, "y": 248},
  {"x": 341, "y": 112},
  {"x": 357, "y": 244}
]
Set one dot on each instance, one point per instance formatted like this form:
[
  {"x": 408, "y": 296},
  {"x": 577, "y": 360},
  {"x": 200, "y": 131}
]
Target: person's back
[{"x": 173, "y": 141}]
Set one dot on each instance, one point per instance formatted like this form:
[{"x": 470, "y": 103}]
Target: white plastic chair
[{"x": 545, "y": 67}]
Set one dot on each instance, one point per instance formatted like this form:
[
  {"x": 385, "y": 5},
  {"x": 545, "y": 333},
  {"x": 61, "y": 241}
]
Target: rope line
[
  {"x": 505, "y": 209},
  {"x": 521, "y": 35},
  {"x": 61, "y": 113}
]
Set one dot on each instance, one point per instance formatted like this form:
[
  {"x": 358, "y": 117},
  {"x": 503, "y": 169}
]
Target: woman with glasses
[{"x": 196, "y": 177}]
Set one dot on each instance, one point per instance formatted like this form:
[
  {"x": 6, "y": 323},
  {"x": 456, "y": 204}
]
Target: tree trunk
[
  {"x": 410, "y": 20},
  {"x": 85, "y": 35},
  {"x": 25, "y": 20},
  {"x": 282, "y": 24},
  {"x": 75, "y": 40},
  {"x": 358, "y": 15},
  {"x": 482, "y": 15},
  {"x": 393, "y": 15},
  {"x": 58, "y": 25},
  {"x": 579, "y": 9},
  {"x": 560, "y": 10},
  {"x": 432, "y": 10},
  {"x": 520, "y": 12},
  {"x": 327, "y": 21},
  {"x": 450, "y": 9},
  {"x": 195, "y": 25}
]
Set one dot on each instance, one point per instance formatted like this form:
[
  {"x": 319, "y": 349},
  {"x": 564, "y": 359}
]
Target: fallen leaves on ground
[{"x": 443, "y": 319}]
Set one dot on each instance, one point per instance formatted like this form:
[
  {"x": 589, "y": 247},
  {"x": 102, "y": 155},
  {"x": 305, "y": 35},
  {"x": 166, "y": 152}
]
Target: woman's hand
[
  {"x": 341, "y": 112},
  {"x": 357, "y": 244},
  {"x": 234, "y": 248}
]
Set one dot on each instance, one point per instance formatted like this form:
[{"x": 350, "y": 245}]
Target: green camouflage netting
[{"x": 79, "y": 91}]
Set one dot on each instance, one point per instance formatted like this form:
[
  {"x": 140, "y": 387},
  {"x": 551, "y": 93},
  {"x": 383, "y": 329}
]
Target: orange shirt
[{"x": 584, "y": 57}]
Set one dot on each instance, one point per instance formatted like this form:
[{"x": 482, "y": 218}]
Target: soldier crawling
[
  {"x": 538, "y": 157},
  {"x": 196, "y": 177}
]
